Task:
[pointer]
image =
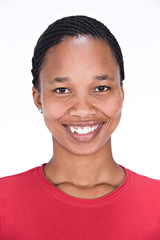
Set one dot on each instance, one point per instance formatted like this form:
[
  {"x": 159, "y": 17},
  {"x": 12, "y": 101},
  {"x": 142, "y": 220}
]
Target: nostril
[{"x": 82, "y": 110}]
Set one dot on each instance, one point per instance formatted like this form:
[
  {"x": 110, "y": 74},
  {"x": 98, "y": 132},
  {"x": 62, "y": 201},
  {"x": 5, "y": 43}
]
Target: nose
[{"x": 82, "y": 107}]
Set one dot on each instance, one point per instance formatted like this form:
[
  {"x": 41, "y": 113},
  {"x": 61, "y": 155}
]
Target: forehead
[
  {"x": 80, "y": 45},
  {"x": 80, "y": 55}
]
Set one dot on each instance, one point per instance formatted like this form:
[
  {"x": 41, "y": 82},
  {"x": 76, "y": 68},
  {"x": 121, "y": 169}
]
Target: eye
[
  {"x": 102, "y": 88},
  {"x": 61, "y": 90}
]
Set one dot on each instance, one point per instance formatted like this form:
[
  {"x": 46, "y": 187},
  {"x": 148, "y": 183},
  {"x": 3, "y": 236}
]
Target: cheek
[
  {"x": 111, "y": 107},
  {"x": 53, "y": 110}
]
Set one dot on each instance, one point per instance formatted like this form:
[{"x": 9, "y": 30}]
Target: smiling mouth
[{"x": 83, "y": 133}]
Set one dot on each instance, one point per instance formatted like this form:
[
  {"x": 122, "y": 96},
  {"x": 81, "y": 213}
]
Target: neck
[{"x": 83, "y": 171}]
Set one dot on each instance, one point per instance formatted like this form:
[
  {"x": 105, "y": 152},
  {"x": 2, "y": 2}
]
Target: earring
[{"x": 40, "y": 110}]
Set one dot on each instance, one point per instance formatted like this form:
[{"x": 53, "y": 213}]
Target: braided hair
[{"x": 73, "y": 26}]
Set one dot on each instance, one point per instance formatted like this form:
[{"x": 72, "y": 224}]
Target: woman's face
[{"x": 81, "y": 95}]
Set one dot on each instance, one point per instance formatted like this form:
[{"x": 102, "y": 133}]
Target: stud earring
[{"x": 40, "y": 110}]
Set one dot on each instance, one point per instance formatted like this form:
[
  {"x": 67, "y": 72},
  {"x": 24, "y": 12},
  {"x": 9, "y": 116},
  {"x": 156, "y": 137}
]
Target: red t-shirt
[{"x": 31, "y": 208}]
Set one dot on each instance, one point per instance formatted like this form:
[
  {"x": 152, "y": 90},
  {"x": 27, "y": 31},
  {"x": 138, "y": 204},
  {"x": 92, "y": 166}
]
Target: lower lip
[{"x": 84, "y": 137}]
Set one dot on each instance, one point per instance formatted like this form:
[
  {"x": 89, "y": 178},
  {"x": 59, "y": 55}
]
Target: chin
[{"x": 86, "y": 150}]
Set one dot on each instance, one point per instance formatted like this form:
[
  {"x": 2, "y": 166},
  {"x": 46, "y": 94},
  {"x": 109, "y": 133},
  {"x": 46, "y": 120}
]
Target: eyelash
[{"x": 57, "y": 89}]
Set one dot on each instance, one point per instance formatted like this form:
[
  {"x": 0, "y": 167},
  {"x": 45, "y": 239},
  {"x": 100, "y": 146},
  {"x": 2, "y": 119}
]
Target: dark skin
[{"x": 82, "y": 167}]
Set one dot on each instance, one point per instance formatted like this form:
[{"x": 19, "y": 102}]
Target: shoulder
[
  {"x": 142, "y": 178},
  {"x": 15, "y": 183},
  {"x": 144, "y": 185},
  {"x": 18, "y": 176}
]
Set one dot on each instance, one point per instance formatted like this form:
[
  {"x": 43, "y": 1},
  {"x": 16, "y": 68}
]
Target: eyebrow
[
  {"x": 65, "y": 79},
  {"x": 103, "y": 77},
  {"x": 60, "y": 79}
]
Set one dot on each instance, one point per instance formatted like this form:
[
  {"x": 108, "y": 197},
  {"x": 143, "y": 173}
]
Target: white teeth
[{"x": 82, "y": 130}]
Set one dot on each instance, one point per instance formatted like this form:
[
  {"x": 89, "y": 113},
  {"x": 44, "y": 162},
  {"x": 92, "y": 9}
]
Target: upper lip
[{"x": 86, "y": 123}]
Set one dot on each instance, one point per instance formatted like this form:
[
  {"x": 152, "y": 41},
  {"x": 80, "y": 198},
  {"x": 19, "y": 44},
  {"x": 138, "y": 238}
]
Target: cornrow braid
[{"x": 72, "y": 26}]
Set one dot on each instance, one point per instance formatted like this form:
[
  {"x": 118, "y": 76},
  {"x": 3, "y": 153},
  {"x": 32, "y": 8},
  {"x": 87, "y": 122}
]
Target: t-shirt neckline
[{"x": 66, "y": 197}]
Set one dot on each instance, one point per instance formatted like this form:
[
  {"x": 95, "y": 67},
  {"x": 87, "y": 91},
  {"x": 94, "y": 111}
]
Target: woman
[{"x": 81, "y": 193}]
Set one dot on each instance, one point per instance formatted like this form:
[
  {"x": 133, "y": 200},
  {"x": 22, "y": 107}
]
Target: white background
[{"x": 25, "y": 142}]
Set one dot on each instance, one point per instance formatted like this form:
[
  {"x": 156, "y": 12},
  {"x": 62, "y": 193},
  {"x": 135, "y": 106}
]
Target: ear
[
  {"x": 122, "y": 91},
  {"x": 36, "y": 97}
]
